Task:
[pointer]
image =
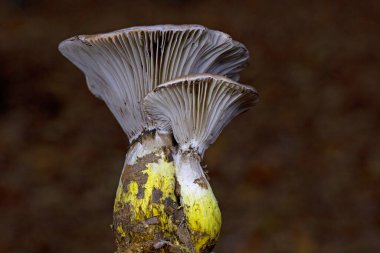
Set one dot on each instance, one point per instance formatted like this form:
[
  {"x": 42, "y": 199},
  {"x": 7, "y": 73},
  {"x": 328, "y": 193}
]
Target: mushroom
[
  {"x": 121, "y": 68},
  {"x": 196, "y": 109}
]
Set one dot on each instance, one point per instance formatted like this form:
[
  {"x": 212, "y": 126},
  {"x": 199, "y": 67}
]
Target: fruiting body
[
  {"x": 196, "y": 109},
  {"x": 153, "y": 80}
]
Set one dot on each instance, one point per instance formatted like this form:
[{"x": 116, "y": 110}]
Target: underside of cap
[
  {"x": 121, "y": 67},
  {"x": 197, "y": 108}
]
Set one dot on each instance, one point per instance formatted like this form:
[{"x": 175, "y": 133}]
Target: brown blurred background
[{"x": 298, "y": 173}]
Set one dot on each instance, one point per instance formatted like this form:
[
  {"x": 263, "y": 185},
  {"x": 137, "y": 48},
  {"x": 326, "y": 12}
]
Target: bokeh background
[{"x": 299, "y": 173}]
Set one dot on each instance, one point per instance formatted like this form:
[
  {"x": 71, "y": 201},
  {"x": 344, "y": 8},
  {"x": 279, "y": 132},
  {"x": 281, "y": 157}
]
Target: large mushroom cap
[
  {"x": 121, "y": 67},
  {"x": 197, "y": 108}
]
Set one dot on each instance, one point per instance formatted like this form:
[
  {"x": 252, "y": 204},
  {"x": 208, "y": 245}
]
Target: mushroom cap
[
  {"x": 196, "y": 108},
  {"x": 121, "y": 67}
]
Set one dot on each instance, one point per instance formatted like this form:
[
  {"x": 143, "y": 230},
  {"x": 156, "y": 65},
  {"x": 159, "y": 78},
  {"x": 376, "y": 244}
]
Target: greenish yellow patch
[
  {"x": 120, "y": 231},
  {"x": 119, "y": 197},
  {"x": 160, "y": 175},
  {"x": 203, "y": 217}
]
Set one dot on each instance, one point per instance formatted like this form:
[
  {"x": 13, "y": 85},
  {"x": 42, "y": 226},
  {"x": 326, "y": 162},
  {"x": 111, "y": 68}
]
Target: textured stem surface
[
  {"x": 147, "y": 216},
  {"x": 164, "y": 202},
  {"x": 201, "y": 208}
]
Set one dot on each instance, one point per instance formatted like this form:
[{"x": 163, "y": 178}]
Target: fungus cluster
[{"x": 173, "y": 89}]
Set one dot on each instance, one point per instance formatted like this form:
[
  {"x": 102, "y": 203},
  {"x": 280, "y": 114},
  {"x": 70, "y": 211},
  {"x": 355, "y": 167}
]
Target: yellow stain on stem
[
  {"x": 160, "y": 176},
  {"x": 121, "y": 231},
  {"x": 203, "y": 217}
]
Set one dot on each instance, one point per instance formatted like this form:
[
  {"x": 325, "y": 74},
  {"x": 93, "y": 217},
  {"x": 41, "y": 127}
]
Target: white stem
[
  {"x": 148, "y": 145},
  {"x": 190, "y": 174}
]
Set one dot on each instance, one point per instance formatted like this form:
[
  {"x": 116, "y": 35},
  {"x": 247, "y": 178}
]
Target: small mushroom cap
[
  {"x": 197, "y": 108},
  {"x": 121, "y": 67}
]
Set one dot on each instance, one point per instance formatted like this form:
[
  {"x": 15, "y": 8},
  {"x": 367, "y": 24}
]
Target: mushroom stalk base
[
  {"x": 201, "y": 208},
  {"x": 164, "y": 203},
  {"x": 147, "y": 215}
]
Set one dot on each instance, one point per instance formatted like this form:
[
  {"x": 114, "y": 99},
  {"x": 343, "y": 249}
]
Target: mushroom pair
[{"x": 172, "y": 89}]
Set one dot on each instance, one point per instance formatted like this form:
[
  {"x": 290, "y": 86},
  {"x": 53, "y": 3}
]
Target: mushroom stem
[
  {"x": 164, "y": 202},
  {"x": 146, "y": 212},
  {"x": 203, "y": 217}
]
